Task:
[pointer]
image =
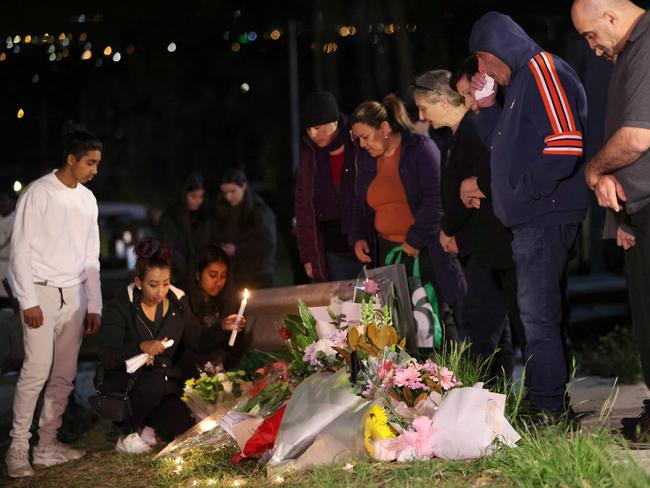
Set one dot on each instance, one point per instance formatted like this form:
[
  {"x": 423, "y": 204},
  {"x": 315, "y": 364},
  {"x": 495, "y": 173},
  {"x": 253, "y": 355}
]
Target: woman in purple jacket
[
  {"x": 324, "y": 189},
  {"x": 397, "y": 198}
]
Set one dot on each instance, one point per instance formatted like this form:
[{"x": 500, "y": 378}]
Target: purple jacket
[
  {"x": 419, "y": 169},
  {"x": 313, "y": 200}
]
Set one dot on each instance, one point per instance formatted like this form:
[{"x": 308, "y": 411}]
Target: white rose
[{"x": 325, "y": 346}]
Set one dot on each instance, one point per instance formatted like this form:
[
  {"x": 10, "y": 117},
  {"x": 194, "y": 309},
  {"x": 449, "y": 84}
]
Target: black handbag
[{"x": 113, "y": 406}]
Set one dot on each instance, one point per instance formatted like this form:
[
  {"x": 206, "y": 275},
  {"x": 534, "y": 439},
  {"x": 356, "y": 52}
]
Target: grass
[{"x": 550, "y": 456}]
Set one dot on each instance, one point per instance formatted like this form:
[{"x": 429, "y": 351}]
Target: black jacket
[
  {"x": 477, "y": 231},
  {"x": 186, "y": 232},
  {"x": 122, "y": 331},
  {"x": 255, "y": 237}
]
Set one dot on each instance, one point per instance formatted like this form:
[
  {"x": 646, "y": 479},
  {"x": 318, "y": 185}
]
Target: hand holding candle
[{"x": 240, "y": 314}]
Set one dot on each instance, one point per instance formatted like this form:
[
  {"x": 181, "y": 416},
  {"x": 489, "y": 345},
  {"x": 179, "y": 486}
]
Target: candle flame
[{"x": 246, "y": 294}]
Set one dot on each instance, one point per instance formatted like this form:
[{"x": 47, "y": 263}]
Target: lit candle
[{"x": 240, "y": 315}]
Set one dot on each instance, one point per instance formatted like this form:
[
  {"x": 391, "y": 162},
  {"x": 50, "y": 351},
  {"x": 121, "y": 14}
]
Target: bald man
[{"x": 619, "y": 173}]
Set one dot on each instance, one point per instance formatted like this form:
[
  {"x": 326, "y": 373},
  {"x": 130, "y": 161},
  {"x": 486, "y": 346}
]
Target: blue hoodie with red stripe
[{"x": 536, "y": 138}]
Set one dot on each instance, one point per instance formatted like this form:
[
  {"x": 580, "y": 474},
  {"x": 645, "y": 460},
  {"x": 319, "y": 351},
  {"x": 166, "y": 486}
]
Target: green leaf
[
  {"x": 308, "y": 319},
  {"x": 303, "y": 341},
  {"x": 332, "y": 314}
]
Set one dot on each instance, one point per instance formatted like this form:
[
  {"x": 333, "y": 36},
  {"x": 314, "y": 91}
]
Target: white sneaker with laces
[
  {"x": 132, "y": 444},
  {"x": 17, "y": 461},
  {"x": 148, "y": 435},
  {"x": 56, "y": 453}
]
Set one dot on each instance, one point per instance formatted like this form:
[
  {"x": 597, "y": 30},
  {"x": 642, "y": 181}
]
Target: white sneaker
[
  {"x": 56, "y": 453},
  {"x": 148, "y": 435},
  {"x": 17, "y": 461},
  {"x": 132, "y": 444}
]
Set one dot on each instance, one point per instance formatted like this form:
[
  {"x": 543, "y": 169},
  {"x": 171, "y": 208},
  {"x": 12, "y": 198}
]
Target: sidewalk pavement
[{"x": 596, "y": 396}]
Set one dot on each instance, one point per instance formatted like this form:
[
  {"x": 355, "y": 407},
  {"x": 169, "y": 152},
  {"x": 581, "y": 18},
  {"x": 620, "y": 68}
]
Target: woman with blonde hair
[
  {"x": 473, "y": 233},
  {"x": 397, "y": 197}
]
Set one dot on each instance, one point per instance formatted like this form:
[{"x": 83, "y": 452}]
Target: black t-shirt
[{"x": 628, "y": 105}]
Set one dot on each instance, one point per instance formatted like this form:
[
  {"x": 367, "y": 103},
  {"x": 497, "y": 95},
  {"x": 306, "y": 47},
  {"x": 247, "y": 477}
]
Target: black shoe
[
  {"x": 640, "y": 433},
  {"x": 630, "y": 423}
]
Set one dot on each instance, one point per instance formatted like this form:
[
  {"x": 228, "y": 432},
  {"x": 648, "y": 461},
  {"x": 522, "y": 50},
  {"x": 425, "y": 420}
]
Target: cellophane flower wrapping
[{"x": 315, "y": 404}]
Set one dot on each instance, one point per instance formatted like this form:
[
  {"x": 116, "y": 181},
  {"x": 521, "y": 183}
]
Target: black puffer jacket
[{"x": 122, "y": 331}]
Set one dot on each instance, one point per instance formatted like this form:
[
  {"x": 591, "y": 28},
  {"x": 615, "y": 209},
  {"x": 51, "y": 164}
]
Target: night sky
[{"x": 219, "y": 96}]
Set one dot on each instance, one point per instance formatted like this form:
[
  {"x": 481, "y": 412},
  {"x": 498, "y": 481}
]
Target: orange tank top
[{"x": 387, "y": 197}]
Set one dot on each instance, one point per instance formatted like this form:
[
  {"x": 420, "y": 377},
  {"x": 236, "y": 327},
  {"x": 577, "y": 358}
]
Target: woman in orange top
[{"x": 397, "y": 197}]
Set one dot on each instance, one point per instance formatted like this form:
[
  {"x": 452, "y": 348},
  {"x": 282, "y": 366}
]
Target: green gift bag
[{"x": 424, "y": 301}]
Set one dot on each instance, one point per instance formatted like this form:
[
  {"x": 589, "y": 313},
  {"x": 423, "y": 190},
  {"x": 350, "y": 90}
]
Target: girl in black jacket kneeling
[{"x": 150, "y": 312}]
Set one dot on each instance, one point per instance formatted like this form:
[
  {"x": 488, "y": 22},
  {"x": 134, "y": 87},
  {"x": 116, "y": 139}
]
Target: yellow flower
[
  {"x": 375, "y": 427},
  {"x": 190, "y": 382}
]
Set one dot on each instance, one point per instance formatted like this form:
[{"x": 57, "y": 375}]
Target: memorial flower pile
[{"x": 351, "y": 389}]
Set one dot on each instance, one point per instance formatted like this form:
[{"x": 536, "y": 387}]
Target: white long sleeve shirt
[
  {"x": 6, "y": 228},
  {"x": 55, "y": 241}
]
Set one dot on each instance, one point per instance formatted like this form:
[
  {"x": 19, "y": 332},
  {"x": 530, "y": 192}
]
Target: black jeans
[
  {"x": 637, "y": 269},
  {"x": 155, "y": 402},
  {"x": 483, "y": 317},
  {"x": 342, "y": 266}
]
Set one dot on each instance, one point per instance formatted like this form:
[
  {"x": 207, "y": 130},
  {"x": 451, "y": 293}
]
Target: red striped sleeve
[{"x": 566, "y": 139}]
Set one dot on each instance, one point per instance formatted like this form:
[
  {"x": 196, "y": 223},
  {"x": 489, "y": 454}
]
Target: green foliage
[
  {"x": 251, "y": 361},
  {"x": 613, "y": 355},
  {"x": 367, "y": 311},
  {"x": 457, "y": 357},
  {"x": 268, "y": 400},
  {"x": 308, "y": 321},
  {"x": 554, "y": 456},
  {"x": 212, "y": 388}
]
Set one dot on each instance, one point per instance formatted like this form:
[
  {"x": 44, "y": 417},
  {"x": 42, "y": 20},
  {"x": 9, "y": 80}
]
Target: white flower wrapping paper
[
  {"x": 468, "y": 421},
  {"x": 136, "y": 362}
]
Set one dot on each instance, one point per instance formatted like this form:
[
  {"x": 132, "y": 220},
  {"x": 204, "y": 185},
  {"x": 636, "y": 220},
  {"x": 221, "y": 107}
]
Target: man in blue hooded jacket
[{"x": 538, "y": 190}]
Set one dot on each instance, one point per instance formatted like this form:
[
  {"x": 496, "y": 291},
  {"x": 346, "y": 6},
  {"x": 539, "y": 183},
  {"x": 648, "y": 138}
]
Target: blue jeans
[{"x": 541, "y": 255}]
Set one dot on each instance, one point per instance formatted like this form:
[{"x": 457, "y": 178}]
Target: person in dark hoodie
[
  {"x": 140, "y": 320},
  {"x": 538, "y": 190},
  {"x": 474, "y": 234},
  {"x": 324, "y": 190},
  {"x": 248, "y": 232},
  {"x": 186, "y": 226},
  {"x": 397, "y": 199}
]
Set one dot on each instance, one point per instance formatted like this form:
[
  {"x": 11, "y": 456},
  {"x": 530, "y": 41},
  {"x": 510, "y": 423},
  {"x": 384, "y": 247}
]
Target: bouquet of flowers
[
  {"x": 213, "y": 389},
  {"x": 269, "y": 392},
  {"x": 312, "y": 349}
]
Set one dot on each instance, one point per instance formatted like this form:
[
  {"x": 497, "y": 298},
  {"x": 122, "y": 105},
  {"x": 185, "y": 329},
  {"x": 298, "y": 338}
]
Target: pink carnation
[
  {"x": 409, "y": 377},
  {"x": 447, "y": 379},
  {"x": 371, "y": 287},
  {"x": 430, "y": 367}
]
